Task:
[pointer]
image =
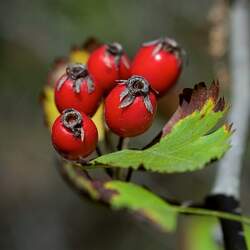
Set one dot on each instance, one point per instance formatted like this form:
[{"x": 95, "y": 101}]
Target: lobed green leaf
[{"x": 188, "y": 147}]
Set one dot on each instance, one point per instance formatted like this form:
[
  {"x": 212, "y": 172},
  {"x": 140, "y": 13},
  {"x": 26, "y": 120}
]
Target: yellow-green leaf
[
  {"x": 140, "y": 200},
  {"x": 124, "y": 195}
]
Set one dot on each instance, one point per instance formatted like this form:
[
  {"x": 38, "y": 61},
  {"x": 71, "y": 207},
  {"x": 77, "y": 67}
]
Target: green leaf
[
  {"x": 142, "y": 201},
  {"x": 186, "y": 144},
  {"x": 170, "y": 156},
  {"x": 79, "y": 180},
  {"x": 123, "y": 195},
  {"x": 198, "y": 232}
]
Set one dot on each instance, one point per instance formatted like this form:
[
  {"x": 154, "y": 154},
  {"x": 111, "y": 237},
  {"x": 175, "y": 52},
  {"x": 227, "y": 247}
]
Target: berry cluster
[{"x": 129, "y": 89}]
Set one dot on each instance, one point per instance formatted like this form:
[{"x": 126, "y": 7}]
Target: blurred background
[{"x": 37, "y": 209}]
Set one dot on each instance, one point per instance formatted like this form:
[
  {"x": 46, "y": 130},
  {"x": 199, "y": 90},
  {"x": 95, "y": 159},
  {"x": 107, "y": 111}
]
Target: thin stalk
[{"x": 122, "y": 174}]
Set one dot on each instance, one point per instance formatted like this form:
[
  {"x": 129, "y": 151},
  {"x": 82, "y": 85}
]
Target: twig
[
  {"x": 225, "y": 195},
  {"x": 233, "y": 235}
]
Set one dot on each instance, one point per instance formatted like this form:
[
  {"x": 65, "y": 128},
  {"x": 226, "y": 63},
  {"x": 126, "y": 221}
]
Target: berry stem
[
  {"x": 129, "y": 175},
  {"x": 108, "y": 171},
  {"x": 119, "y": 173},
  {"x": 122, "y": 143},
  {"x": 98, "y": 151},
  {"x": 108, "y": 141}
]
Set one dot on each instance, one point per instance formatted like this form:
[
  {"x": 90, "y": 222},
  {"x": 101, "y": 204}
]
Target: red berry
[
  {"x": 74, "y": 135},
  {"x": 76, "y": 89},
  {"x": 160, "y": 63},
  {"x": 107, "y": 64},
  {"x": 130, "y": 107}
]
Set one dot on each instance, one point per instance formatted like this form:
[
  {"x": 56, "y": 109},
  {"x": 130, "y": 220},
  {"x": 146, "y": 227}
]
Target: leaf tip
[{"x": 228, "y": 127}]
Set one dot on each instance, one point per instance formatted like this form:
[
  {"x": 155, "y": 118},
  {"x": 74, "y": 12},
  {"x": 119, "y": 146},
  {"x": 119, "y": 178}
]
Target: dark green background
[{"x": 37, "y": 209}]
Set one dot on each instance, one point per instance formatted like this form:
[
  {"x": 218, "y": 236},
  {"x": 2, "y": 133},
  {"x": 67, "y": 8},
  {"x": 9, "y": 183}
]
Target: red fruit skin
[
  {"x": 85, "y": 102},
  {"x": 132, "y": 120},
  {"x": 124, "y": 71},
  {"x": 71, "y": 147},
  {"x": 162, "y": 69},
  {"x": 106, "y": 76}
]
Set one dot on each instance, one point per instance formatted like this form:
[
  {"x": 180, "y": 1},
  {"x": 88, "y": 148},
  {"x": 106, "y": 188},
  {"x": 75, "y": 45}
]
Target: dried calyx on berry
[
  {"x": 169, "y": 45},
  {"x": 116, "y": 50},
  {"x": 77, "y": 73},
  {"x": 135, "y": 86},
  {"x": 72, "y": 120}
]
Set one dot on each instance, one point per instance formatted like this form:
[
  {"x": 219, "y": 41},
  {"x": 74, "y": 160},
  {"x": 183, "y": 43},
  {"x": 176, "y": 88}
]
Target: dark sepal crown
[
  {"x": 72, "y": 120},
  {"x": 170, "y": 45},
  {"x": 116, "y": 50},
  {"x": 77, "y": 73},
  {"x": 135, "y": 86}
]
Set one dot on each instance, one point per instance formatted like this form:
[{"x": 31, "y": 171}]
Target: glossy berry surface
[
  {"x": 74, "y": 135},
  {"x": 160, "y": 63},
  {"x": 130, "y": 107},
  {"x": 107, "y": 64},
  {"x": 76, "y": 89}
]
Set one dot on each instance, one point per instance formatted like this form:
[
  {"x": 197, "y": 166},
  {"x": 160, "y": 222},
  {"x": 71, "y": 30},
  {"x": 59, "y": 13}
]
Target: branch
[{"x": 225, "y": 195}]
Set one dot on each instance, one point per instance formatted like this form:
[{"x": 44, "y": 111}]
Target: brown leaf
[
  {"x": 57, "y": 70},
  {"x": 91, "y": 44},
  {"x": 194, "y": 99},
  {"x": 80, "y": 180},
  {"x": 191, "y": 100}
]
